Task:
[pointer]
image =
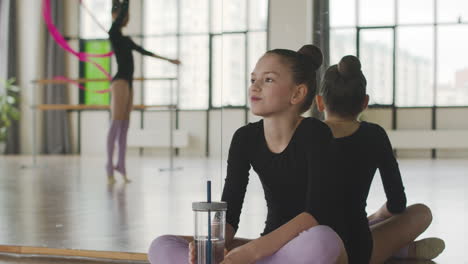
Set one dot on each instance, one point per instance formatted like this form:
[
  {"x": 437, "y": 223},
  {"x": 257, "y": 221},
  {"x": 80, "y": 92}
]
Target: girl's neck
[
  {"x": 342, "y": 126},
  {"x": 279, "y": 130}
]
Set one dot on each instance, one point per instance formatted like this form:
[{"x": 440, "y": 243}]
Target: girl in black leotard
[
  {"x": 287, "y": 152},
  {"x": 361, "y": 149},
  {"x": 121, "y": 87}
]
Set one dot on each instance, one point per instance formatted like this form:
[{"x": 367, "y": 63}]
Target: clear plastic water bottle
[{"x": 210, "y": 220}]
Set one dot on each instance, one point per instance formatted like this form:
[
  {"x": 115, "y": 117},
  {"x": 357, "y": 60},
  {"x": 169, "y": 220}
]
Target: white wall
[
  {"x": 290, "y": 24},
  {"x": 454, "y": 118},
  {"x": 195, "y": 124},
  {"x": 414, "y": 119},
  {"x": 222, "y": 125},
  {"x": 421, "y": 118}
]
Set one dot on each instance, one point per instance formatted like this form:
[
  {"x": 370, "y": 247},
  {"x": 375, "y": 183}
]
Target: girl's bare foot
[{"x": 110, "y": 179}]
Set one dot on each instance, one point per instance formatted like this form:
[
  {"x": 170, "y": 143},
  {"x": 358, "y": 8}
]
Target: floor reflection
[{"x": 67, "y": 203}]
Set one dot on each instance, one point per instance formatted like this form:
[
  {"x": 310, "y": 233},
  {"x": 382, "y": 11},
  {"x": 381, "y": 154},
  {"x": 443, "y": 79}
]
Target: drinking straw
[{"x": 208, "y": 249}]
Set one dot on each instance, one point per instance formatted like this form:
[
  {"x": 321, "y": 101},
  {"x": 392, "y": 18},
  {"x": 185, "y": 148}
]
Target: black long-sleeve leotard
[
  {"x": 360, "y": 155},
  {"x": 293, "y": 180},
  {"x": 123, "y": 47}
]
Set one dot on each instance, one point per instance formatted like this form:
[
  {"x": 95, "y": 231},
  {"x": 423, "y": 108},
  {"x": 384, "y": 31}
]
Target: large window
[
  {"x": 89, "y": 27},
  {"x": 217, "y": 41},
  {"x": 413, "y": 51},
  {"x": 376, "y": 53}
]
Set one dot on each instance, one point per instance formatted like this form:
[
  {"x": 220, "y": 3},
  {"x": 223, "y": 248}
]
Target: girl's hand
[
  {"x": 192, "y": 257},
  {"x": 381, "y": 214},
  {"x": 176, "y": 62},
  {"x": 239, "y": 255}
]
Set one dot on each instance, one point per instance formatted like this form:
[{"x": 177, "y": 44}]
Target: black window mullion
[
  {"x": 394, "y": 112},
  {"x": 435, "y": 79},
  {"x": 246, "y": 53}
]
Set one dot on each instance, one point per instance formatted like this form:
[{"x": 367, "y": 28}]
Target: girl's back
[
  {"x": 360, "y": 148},
  {"x": 362, "y": 153},
  {"x": 359, "y": 156}
]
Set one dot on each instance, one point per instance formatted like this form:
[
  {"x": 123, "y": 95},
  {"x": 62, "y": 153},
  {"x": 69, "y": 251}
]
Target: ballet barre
[
  {"x": 67, "y": 107},
  {"x": 86, "y": 80},
  {"x": 172, "y": 107}
]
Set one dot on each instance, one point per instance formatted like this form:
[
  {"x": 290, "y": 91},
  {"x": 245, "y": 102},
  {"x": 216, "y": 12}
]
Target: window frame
[{"x": 435, "y": 27}]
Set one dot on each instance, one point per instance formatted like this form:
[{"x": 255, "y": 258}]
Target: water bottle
[{"x": 210, "y": 221}]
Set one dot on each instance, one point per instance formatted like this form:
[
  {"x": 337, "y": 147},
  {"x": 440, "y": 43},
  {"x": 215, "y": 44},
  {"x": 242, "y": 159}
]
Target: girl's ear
[
  {"x": 299, "y": 94},
  {"x": 365, "y": 103},
  {"x": 320, "y": 104}
]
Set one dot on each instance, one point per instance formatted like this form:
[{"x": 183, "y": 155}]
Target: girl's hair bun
[
  {"x": 313, "y": 54},
  {"x": 349, "y": 67}
]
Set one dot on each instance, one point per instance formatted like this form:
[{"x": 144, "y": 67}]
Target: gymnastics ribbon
[
  {"x": 60, "y": 40},
  {"x": 63, "y": 78}
]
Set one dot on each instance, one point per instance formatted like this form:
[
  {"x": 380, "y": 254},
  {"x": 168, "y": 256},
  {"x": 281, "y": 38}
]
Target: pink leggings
[{"x": 317, "y": 245}]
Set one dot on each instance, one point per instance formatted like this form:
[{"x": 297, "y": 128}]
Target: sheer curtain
[{"x": 57, "y": 139}]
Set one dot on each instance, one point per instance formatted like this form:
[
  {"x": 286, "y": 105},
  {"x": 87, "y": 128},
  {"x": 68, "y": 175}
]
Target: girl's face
[
  {"x": 271, "y": 87},
  {"x": 125, "y": 21}
]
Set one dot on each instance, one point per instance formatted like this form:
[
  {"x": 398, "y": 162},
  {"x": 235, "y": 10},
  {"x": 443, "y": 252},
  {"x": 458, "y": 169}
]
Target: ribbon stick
[
  {"x": 85, "y": 7},
  {"x": 82, "y": 56}
]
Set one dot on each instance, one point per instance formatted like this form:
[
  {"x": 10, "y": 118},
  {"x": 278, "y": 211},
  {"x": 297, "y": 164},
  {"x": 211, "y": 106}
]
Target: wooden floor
[
  {"x": 66, "y": 202},
  {"x": 16, "y": 259},
  {"x": 8, "y": 259}
]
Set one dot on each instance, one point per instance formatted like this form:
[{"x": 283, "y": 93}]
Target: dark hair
[
  {"x": 304, "y": 64},
  {"x": 344, "y": 87},
  {"x": 116, "y": 6}
]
